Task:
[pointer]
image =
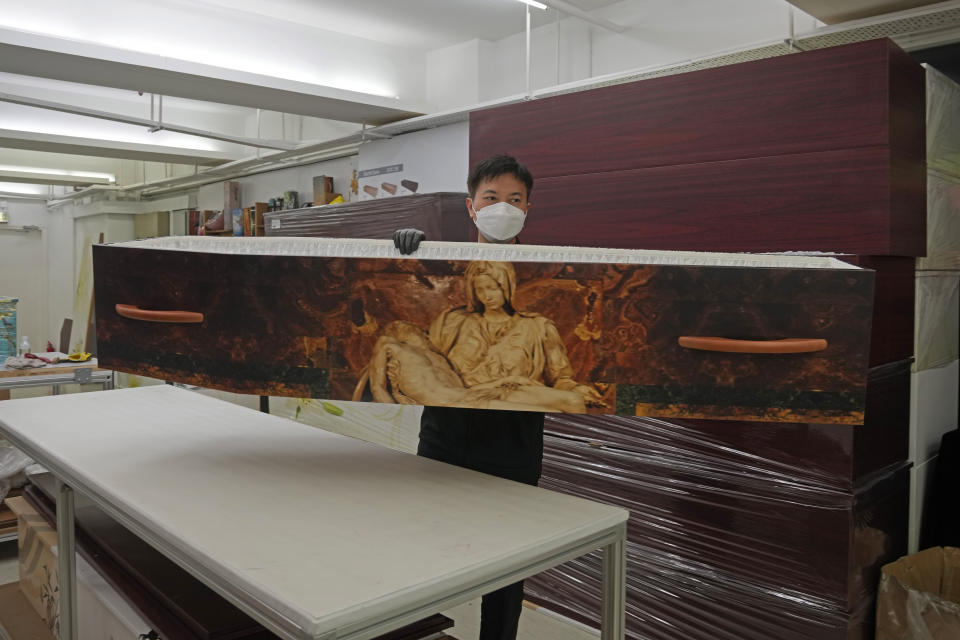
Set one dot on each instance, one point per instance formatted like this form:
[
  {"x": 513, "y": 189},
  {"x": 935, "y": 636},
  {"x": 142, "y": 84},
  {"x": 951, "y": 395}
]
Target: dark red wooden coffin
[
  {"x": 314, "y": 326},
  {"x": 817, "y": 151},
  {"x": 442, "y": 216}
]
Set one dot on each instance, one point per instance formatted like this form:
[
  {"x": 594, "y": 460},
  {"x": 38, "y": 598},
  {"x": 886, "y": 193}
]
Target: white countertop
[{"x": 308, "y": 531}]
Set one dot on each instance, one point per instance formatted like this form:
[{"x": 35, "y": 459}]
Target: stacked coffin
[
  {"x": 442, "y": 216},
  {"x": 741, "y": 530},
  {"x": 934, "y": 377}
]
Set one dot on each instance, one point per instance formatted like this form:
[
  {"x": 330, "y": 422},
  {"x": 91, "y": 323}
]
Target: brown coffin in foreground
[{"x": 626, "y": 332}]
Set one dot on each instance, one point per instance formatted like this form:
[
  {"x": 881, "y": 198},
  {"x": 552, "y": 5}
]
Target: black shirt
[{"x": 508, "y": 444}]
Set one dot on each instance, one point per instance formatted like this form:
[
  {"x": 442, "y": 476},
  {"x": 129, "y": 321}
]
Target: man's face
[{"x": 504, "y": 188}]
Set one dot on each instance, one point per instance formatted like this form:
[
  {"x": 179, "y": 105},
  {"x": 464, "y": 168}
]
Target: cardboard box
[
  {"x": 919, "y": 597},
  {"x": 38, "y": 562},
  {"x": 101, "y": 612},
  {"x": 17, "y": 620}
]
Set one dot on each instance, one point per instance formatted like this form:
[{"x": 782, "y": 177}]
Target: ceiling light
[
  {"x": 4, "y": 168},
  {"x": 18, "y": 188},
  {"x": 534, "y": 3}
]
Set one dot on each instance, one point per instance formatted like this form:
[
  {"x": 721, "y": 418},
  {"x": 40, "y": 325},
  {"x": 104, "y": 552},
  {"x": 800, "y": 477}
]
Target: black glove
[{"x": 408, "y": 240}]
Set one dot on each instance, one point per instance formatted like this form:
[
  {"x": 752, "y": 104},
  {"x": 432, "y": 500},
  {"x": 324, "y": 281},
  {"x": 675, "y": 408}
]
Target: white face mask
[{"x": 500, "y": 222}]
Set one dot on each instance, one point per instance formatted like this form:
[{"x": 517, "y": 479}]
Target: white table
[{"x": 313, "y": 534}]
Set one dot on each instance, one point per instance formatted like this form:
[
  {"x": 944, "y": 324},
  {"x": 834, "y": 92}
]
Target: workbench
[
  {"x": 54, "y": 375},
  {"x": 315, "y": 535}
]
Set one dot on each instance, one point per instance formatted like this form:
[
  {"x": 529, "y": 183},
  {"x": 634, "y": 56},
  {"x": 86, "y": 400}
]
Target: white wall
[
  {"x": 660, "y": 32},
  {"x": 23, "y": 269},
  {"x": 453, "y": 74},
  {"x": 291, "y": 127}
]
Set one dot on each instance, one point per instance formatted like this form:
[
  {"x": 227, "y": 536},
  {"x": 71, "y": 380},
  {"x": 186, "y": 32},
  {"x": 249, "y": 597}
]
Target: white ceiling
[{"x": 417, "y": 24}]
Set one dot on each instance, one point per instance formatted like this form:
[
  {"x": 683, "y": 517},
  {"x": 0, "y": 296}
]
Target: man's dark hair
[{"x": 495, "y": 166}]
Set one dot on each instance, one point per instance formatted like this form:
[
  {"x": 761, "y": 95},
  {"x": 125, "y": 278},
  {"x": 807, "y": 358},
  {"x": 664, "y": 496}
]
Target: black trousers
[{"x": 483, "y": 441}]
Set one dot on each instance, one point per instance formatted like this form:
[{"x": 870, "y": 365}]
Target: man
[{"x": 508, "y": 444}]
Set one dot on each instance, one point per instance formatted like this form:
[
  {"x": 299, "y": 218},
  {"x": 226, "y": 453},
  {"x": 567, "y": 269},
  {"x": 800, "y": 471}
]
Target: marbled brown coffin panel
[{"x": 297, "y": 326}]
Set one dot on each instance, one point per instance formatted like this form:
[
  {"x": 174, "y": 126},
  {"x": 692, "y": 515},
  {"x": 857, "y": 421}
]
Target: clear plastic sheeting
[
  {"x": 943, "y": 221},
  {"x": 737, "y": 530},
  {"x": 14, "y": 466},
  {"x": 936, "y": 321},
  {"x": 363, "y": 248},
  {"x": 943, "y": 126},
  {"x": 670, "y": 599},
  {"x": 442, "y": 216}
]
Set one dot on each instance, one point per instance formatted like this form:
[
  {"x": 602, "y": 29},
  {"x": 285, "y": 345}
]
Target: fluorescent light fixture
[
  {"x": 58, "y": 172},
  {"x": 534, "y": 3},
  {"x": 19, "y": 188}
]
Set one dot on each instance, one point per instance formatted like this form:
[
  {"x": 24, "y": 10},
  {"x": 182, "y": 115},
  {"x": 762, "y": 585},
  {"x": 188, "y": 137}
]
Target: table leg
[
  {"x": 108, "y": 384},
  {"x": 67, "y": 562},
  {"x": 56, "y": 389},
  {"x": 614, "y": 590}
]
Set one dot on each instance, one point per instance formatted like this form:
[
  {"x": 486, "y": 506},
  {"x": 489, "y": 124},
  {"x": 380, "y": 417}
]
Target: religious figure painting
[{"x": 483, "y": 354}]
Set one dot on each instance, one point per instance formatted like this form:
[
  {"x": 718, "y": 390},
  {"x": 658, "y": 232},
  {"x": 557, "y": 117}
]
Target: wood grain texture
[
  {"x": 821, "y": 100},
  {"x": 826, "y": 201},
  {"x": 891, "y": 335},
  {"x": 308, "y": 327},
  {"x": 712, "y": 576},
  {"x": 822, "y": 150},
  {"x": 442, "y": 216}
]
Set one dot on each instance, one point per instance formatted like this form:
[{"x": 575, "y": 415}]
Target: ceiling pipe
[
  {"x": 144, "y": 122},
  {"x": 307, "y": 154}
]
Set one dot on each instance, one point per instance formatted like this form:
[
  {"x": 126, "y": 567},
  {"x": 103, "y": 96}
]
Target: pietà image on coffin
[{"x": 557, "y": 329}]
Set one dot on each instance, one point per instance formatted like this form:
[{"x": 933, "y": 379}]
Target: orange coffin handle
[
  {"x": 136, "y": 313},
  {"x": 786, "y": 345}
]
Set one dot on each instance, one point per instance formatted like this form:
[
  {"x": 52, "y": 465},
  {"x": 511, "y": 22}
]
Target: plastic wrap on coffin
[{"x": 761, "y": 539}]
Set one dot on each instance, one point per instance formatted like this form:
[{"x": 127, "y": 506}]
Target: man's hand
[
  {"x": 408, "y": 240},
  {"x": 590, "y": 396}
]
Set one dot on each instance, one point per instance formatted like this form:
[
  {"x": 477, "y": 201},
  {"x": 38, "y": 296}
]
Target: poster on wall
[
  {"x": 422, "y": 162},
  {"x": 496, "y": 331},
  {"x": 385, "y": 182}
]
